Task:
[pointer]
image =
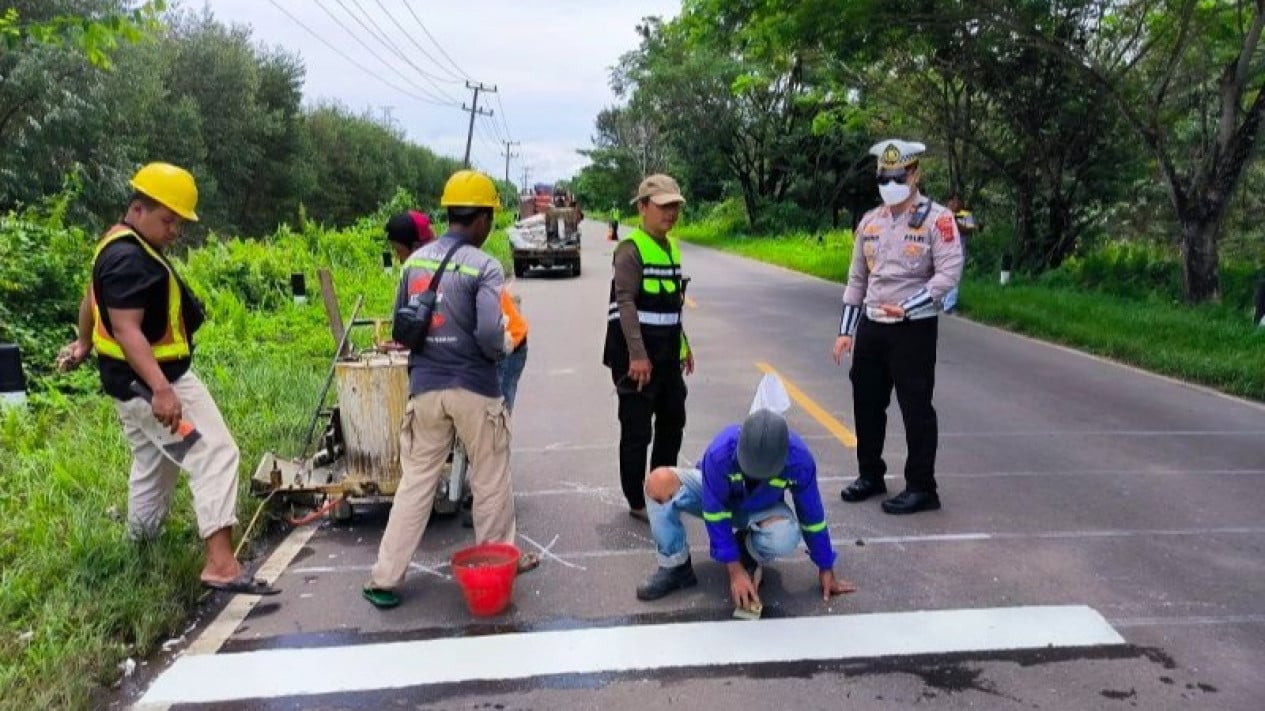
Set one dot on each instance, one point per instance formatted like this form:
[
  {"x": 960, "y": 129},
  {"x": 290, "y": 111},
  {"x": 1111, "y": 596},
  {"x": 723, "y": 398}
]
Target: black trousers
[
  {"x": 901, "y": 355},
  {"x": 654, "y": 414}
]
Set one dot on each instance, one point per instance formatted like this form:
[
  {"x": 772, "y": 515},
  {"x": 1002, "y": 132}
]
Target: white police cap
[{"x": 895, "y": 154}]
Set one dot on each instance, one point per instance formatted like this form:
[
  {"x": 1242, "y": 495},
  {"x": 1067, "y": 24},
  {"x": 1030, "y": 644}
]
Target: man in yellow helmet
[
  {"x": 454, "y": 390},
  {"x": 140, "y": 317}
]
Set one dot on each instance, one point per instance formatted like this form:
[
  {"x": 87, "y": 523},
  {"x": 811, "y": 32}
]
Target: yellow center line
[
  {"x": 691, "y": 303},
  {"x": 835, "y": 427}
]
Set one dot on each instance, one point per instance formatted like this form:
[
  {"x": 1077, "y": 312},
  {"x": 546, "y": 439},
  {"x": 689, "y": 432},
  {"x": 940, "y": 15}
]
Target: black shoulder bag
[{"x": 412, "y": 320}]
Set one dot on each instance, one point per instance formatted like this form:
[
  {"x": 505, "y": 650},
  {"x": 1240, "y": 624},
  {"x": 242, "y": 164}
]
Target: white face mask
[{"x": 893, "y": 193}]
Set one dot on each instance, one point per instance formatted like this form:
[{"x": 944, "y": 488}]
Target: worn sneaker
[{"x": 666, "y": 580}]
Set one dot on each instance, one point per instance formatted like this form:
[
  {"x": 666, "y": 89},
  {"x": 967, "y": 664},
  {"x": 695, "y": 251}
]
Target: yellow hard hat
[
  {"x": 470, "y": 188},
  {"x": 171, "y": 186}
]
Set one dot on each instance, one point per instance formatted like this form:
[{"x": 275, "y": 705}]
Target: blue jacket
[{"x": 725, "y": 492}]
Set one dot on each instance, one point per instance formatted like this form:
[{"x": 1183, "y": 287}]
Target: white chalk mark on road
[{"x": 547, "y": 551}]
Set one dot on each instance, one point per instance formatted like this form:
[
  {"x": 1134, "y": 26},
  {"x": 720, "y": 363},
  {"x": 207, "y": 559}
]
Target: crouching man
[{"x": 740, "y": 491}]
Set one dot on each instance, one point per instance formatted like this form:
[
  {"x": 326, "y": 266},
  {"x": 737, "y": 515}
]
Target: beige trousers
[
  {"x": 431, "y": 420},
  {"x": 211, "y": 463}
]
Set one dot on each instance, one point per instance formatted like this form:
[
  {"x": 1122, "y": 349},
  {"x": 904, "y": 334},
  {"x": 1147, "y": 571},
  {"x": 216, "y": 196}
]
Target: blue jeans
[
  {"x": 509, "y": 370},
  {"x": 765, "y": 543}
]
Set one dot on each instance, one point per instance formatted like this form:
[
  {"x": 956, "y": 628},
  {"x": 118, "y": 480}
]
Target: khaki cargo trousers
[
  {"x": 211, "y": 463},
  {"x": 431, "y": 420}
]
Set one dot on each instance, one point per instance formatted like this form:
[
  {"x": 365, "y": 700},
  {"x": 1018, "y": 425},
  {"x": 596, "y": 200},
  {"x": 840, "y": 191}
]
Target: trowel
[{"x": 189, "y": 435}]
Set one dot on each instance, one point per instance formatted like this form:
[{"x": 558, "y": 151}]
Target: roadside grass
[
  {"x": 76, "y": 598},
  {"x": 1214, "y": 345}
]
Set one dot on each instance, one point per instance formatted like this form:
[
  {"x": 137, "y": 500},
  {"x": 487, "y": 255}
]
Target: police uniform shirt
[
  {"x": 124, "y": 276},
  {"x": 894, "y": 262}
]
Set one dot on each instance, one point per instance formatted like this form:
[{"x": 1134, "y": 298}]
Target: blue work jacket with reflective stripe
[{"x": 725, "y": 494}]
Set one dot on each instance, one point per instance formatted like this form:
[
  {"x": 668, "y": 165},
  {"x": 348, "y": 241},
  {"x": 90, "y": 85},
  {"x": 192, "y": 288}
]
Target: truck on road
[{"x": 547, "y": 233}]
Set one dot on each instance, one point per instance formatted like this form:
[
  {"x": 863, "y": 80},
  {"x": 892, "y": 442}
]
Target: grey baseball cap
[{"x": 762, "y": 444}]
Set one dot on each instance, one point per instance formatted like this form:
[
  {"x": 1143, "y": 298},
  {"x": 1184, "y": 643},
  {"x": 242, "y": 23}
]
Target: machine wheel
[{"x": 520, "y": 268}]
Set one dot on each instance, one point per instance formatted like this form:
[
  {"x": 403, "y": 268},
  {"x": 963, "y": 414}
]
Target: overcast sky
[{"x": 549, "y": 59}]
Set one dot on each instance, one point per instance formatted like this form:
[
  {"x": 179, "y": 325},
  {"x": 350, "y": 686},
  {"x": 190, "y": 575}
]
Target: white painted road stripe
[
  {"x": 611, "y": 491},
  {"x": 839, "y": 543},
  {"x": 271, "y": 673},
  {"x": 231, "y": 617}
]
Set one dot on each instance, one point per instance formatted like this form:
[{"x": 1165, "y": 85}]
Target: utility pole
[
  {"x": 526, "y": 175},
  {"x": 508, "y": 155},
  {"x": 474, "y": 109}
]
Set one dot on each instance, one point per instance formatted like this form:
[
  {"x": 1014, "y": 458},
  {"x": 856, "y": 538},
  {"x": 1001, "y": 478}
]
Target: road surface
[{"x": 1075, "y": 492}]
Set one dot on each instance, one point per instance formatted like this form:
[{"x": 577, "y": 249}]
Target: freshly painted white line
[
  {"x": 262, "y": 674},
  {"x": 225, "y": 623}
]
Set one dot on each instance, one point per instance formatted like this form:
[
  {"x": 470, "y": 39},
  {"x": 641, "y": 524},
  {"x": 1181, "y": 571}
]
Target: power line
[
  {"x": 504, "y": 119},
  {"x": 417, "y": 44},
  {"x": 355, "y": 63},
  {"x": 438, "y": 46},
  {"x": 496, "y": 130},
  {"x": 382, "y": 36},
  {"x": 426, "y": 92}
]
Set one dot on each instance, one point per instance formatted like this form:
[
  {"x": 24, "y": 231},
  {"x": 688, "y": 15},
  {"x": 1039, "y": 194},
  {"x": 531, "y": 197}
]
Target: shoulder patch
[{"x": 945, "y": 226}]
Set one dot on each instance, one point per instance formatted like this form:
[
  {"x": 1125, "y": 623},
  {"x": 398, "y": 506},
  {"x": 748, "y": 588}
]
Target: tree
[{"x": 1188, "y": 78}]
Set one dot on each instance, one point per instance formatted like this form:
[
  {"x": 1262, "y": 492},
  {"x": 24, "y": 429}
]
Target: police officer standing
[
  {"x": 646, "y": 348},
  {"x": 906, "y": 258}
]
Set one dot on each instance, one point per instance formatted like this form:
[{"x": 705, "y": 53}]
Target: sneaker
[{"x": 666, "y": 580}]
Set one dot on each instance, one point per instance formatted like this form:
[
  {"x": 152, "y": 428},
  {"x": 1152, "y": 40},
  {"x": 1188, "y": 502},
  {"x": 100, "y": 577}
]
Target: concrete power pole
[
  {"x": 474, "y": 109},
  {"x": 508, "y": 154}
]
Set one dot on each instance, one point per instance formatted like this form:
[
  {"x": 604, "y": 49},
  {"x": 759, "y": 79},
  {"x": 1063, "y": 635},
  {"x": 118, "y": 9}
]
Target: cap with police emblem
[{"x": 895, "y": 155}]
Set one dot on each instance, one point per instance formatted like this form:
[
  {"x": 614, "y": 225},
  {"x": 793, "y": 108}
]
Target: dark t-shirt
[{"x": 125, "y": 276}]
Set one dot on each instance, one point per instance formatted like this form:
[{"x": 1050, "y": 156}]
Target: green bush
[
  {"x": 43, "y": 271},
  {"x": 1142, "y": 271}
]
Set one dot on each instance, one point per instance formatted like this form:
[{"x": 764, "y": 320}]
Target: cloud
[{"x": 550, "y": 60}]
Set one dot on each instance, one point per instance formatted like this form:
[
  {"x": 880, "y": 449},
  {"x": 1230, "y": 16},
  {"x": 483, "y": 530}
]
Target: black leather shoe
[
  {"x": 907, "y": 502},
  {"x": 666, "y": 580},
  {"x": 862, "y": 489}
]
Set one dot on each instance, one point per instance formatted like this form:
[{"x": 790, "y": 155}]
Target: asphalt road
[{"x": 1066, "y": 480}]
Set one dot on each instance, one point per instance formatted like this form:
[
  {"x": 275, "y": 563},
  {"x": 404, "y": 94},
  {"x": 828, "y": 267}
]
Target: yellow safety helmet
[
  {"x": 171, "y": 186},
  {"x": 470, "y": 188}
]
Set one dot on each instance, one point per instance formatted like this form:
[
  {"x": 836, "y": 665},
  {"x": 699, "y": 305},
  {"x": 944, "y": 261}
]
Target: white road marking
[
  {"x": 846, "y": 540},
  {"x": 605, "y": 492},
  {"x": 1185, "y": 621},
  {"x": 225, "y": 623},
  {"x": 547, "y": 551},
  {"x": 262, "y": 674},
  {"x": 1107, "y": 361}
]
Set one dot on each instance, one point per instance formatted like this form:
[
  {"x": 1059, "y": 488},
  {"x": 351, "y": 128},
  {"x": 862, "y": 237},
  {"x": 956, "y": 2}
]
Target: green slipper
[{"x": 381, "y": 599}]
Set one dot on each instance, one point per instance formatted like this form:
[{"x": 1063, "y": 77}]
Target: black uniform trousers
[
  {"x": 655, "y": 414},
  {"x": 902, "y": 355}
]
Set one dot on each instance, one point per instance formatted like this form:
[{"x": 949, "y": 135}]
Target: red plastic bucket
[{"x": 486, "y": 576}]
